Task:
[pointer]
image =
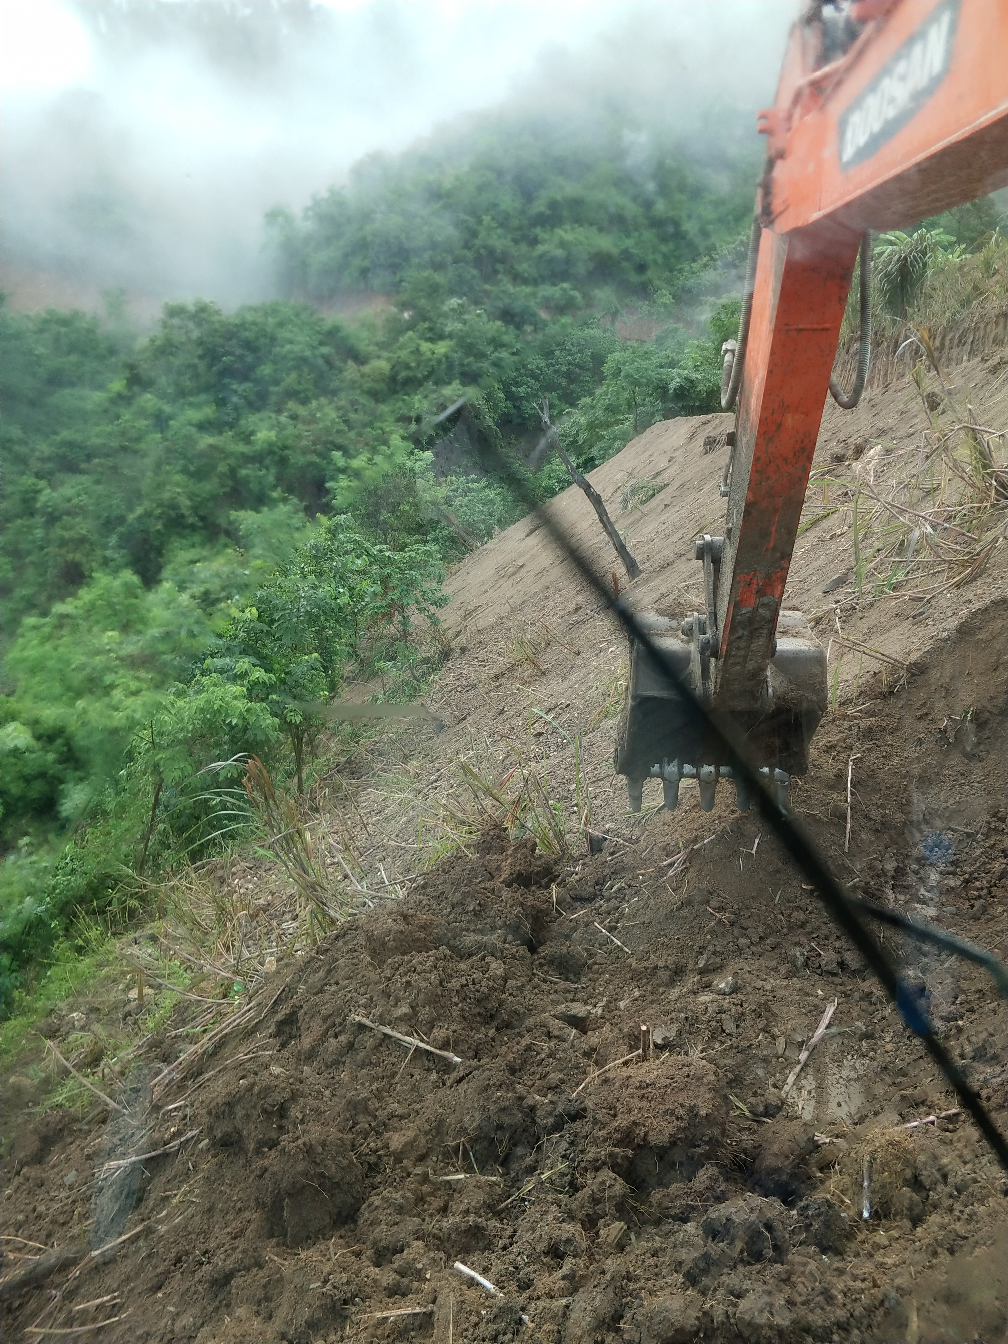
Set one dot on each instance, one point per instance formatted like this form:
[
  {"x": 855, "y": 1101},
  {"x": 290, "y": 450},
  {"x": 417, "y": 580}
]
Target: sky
[{"x": 144, "y": 140}]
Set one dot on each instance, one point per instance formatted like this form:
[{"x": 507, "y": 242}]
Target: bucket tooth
[
  {"x": 671, "y": 777},
  {"x": 743, "y": 796},
  {"x": 635, "y": 794},
  {"x": 707, "y": 777},
  {"x": 782, "y": 786}
]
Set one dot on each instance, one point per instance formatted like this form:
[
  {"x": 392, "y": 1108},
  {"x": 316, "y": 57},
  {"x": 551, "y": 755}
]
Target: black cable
[
  {"x": 734, "y": 356},
  {"x": 927, "y": 933},
  {"x": 848, "y": 400},
  {"x": 841, "y": 907}
]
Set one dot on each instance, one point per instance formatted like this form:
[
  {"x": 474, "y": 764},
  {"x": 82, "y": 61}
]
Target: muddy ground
[
  {"x": 333, "y": 1176},
  {"x": 320, "y": 1179}
]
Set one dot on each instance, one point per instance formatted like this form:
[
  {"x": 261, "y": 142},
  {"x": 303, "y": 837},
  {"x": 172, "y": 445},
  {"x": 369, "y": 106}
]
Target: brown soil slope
[{"x": 321, "y": 1179}]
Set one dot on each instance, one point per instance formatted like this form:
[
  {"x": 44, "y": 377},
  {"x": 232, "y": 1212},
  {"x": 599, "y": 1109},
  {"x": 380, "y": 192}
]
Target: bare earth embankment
[{"x": 309, "y": 1178}]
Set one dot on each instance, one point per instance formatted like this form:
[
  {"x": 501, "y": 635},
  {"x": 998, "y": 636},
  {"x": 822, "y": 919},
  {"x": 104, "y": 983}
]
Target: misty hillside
[
  {"x": 208, "y": 532},
  {"x": 529, "y": 215},
  {"x": 171, "y": 590}
]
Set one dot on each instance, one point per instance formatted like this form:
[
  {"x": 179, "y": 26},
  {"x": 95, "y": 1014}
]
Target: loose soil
[{"x": 613, "y": 1151}]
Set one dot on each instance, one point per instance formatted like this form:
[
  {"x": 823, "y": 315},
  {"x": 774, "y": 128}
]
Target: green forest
[{"x": 209, "y": 529}]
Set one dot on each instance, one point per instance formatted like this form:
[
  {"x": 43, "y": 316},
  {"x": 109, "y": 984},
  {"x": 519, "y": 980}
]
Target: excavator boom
[{"x": 886, "y": 111}]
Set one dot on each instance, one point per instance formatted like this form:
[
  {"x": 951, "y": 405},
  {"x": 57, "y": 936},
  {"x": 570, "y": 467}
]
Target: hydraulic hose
[
  {"x": 734, "y": 351},
  {"x": 848, "y": 400}
]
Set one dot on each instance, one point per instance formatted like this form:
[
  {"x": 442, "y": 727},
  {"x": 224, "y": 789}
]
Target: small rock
[
  {"x": 797, "y": 958},
  {"x": 203, "y": 1145},
  {"x": 269, "y": 965},
  {"x": 663, "y": 1038},
  {"x": 70, "y": 1179},
  {"x": 670, "y": 1320},
  {"x": 728, "y": 1025},
  {"x": 576, "y": 1015},
  {"x": 781, "y": 1045},
  {"x": 823, "y": 1223},
  {"x": 761, "y": 1316},
  {"x": 909, "y": 1206},
  {"x": 725, "y": 986},
  {"x": 772, "y": 1104},
  {"x": 614, "y": 1237}
]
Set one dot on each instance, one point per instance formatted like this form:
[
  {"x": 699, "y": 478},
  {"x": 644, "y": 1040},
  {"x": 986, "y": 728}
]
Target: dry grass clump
[
  {"x": 928, "y": 518},
  {"x": 977, "y": 283},
  {"x": 524, "y": 802},
  {"x": 222, "y": 917},
  {"x": 950, "y": 287},
  {"x": 888, "y": 1157},
  {"x": 635, "y": 494}
]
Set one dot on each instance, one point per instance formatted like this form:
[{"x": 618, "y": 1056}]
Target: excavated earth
[{"x": 603, "y": 1136}]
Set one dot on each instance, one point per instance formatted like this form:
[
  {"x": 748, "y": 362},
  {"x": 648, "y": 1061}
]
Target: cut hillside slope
[
  {"x": 302, "y": 1176},
  {"x": 529, "y": 639}
]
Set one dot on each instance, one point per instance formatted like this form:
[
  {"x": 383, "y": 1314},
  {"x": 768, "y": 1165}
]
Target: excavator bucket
[{"x": 659, "y": 735}]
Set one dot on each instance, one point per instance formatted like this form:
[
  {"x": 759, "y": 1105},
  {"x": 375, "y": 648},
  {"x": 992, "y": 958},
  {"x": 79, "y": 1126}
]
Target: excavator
[{"x": 886, "y": 112}]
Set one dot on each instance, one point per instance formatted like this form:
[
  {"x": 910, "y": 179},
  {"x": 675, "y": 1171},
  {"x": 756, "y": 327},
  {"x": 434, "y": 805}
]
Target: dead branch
[
  {"x": 551, "y": 439},
  {"x": 412, "y": 1041},
  {"x": 38, "y": 1270},
  {"x": 624, "y": 1059},
  {"x": 112, "y": 1105},
  {"x": 807, "y": 1050}
]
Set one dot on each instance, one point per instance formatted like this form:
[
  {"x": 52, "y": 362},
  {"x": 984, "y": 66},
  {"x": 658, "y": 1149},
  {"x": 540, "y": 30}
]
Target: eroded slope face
[{"x": 612, "y": 1188}]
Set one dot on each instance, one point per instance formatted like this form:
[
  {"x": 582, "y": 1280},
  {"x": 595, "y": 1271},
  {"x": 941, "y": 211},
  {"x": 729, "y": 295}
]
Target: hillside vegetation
[{"x": 208, "y": 531}]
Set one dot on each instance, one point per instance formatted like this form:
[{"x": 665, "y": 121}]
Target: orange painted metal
[
  {"x": 802, "y": 282},
  {"x": 910, "y": 120},
  {"x": 964, "y": 121}
]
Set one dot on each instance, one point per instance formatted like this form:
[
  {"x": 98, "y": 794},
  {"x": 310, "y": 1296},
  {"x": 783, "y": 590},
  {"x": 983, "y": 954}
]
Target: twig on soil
[
  {"x": 932, "y": 1119},
  {"x": 400, "y": 1312},
  {"x": 40, "y": 1269},
  {"x": 466, "y": 1176},
  {"x": 612, "y": 936},
  {"x": 485, "y": 1284},
  {"x": 121, "y": 1163},
  {"x": 807, "y": 1049},
  {"x": 850, "y": 773},
  {"x": 550, "y": 439},
  {"x": 478, "y": 1278},
  {"x": 72, "y": 1329},
  {"x": 174, "y": 1071},
  {"x": 530, "y": 1185},
  {"x": 114, "y": 1245},
  {"x": 411, "y": 1041},
  {"x": 112, "y": 1105},
  {"x": 624, "y": 1059},
  {"x": 97, "y": 1302},
  {"x": 237, "y": 1059}
]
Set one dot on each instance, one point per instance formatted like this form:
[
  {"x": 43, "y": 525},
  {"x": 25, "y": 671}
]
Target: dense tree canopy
[{"x": 203, "y": 530}]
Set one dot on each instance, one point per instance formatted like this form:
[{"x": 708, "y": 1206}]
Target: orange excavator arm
[{"x": 886, "y": 111}]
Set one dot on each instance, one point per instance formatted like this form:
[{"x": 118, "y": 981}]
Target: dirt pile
[
  {"x": 612, "y": 1149},
  {"x": 312, "y": 1178}
]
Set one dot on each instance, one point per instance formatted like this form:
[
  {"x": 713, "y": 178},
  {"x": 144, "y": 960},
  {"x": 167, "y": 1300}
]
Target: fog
[{"x": 144, "y": 140}]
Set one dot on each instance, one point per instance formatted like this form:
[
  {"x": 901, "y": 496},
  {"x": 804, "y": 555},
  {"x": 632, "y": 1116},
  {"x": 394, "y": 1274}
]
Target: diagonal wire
[
  {"x": 928, "y": 933},
  {"x": 843, "y": 910}
]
